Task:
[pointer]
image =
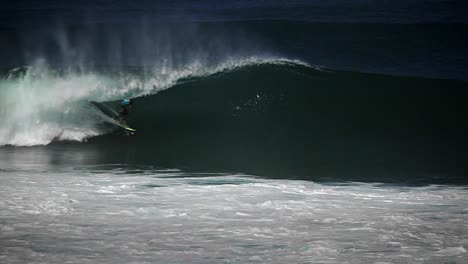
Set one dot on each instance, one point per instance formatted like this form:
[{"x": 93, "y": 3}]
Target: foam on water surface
[{"x": 116, "y": 215}]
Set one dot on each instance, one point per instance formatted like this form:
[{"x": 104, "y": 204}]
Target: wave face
[
  {"x": 39, "y": 104},
  {"x": 284, "y": 118},
  {"x": 262, "y": 116}
]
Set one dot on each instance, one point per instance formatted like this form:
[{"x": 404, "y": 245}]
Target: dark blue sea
[{"x": 266, "y": 131}]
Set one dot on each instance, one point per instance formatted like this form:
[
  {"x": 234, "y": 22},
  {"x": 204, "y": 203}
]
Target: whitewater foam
[{"x": 164, "y": 215}]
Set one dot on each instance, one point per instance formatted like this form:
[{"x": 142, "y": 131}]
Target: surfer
[{"x": 125, "y": 108}]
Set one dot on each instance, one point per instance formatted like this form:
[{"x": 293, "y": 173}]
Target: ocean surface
[{"x": 267, "y": 132}]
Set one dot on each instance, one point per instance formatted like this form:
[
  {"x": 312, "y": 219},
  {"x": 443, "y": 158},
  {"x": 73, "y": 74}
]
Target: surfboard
[
  {"x": 111, "y": 116},
  {"x": 126, "y": 127}
]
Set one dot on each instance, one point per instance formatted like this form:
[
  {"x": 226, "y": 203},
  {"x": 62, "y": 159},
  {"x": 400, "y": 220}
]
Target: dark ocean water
[{"x": 267, "y": 131}]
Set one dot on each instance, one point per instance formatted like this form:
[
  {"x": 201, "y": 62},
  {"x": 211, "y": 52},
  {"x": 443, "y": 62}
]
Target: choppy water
[{"x": 118, "y": 214}]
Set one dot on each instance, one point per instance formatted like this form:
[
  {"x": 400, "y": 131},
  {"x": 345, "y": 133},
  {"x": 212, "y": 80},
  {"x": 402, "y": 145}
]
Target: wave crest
[{"x": 39, "y": 104}]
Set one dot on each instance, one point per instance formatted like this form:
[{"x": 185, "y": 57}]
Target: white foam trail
[
  {"x": 41, "y": 105},
  {"x": 160, "y": 216}
]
